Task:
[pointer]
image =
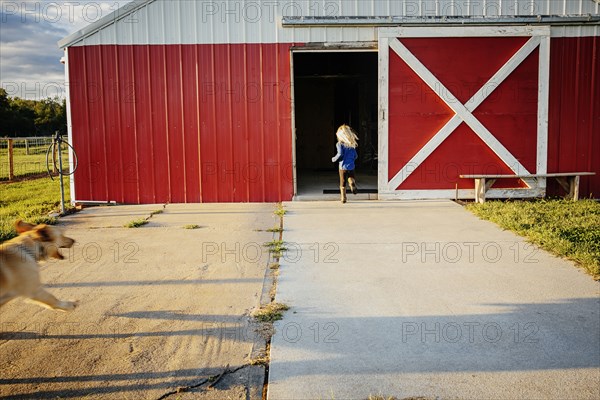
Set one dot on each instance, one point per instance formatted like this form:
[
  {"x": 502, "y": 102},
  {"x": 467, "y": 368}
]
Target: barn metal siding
[
  {"x": 574, "y": 113},
  {"x": 182, "y": 123},
  {"x": 250, "y": 21},
  {"x": 189, "y": 101}
]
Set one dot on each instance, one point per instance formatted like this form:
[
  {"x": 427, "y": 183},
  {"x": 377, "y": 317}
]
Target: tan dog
[{"x": 19, "y": 268}]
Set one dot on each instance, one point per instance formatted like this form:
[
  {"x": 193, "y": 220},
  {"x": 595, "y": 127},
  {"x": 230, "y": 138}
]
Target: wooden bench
[{"x": 568, "y": 180}]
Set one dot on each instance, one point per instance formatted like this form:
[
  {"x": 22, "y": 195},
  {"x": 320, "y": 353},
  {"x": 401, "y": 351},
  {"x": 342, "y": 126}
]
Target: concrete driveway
[
  {"x": 394, "y": 299},
  {"x": 423, "y": 299},
  {"x": 162, "y": 308}
]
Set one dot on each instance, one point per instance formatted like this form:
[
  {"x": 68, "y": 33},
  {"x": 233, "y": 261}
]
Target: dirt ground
[{"x": 164, "y": 311}]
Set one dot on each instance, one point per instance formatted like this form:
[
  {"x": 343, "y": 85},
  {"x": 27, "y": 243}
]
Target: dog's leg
[{"x": 47, "y": 299}]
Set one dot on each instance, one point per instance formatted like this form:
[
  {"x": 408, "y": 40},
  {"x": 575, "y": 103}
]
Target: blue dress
[{"x": 347, "y": 155}]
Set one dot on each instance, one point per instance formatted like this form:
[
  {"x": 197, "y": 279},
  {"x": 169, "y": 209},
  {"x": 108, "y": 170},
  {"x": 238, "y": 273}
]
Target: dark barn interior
[{"x": 331, "y": 89}]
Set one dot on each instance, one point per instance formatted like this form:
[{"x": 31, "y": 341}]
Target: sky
[{"x": 29, "y": 31}]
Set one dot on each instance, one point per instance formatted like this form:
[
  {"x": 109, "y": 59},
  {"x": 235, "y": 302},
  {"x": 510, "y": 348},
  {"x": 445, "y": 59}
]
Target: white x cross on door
[{"x": 462, "y": 100}]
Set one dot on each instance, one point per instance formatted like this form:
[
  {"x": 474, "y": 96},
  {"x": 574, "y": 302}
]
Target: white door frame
[{"x": 388, "y": 41}]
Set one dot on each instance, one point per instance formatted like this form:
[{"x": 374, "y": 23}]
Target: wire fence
[{"x": 22, "y": 158}]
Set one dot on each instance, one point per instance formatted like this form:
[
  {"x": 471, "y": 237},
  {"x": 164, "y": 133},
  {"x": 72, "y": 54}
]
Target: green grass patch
[
  {"x": 25, "y": 164},
  {"x": 261, "y": 360},
  {"x": 156, "y": 212},
  {"x": 136, "y": 223},
  {"x": 271, "y": 312},
  {"x": 191, "y": 226},
  {"x": 569, "y": 229},
  {"x": 275, "y": 229},
  {"x": 276, "y": 244},
  {"x": 276, "y": 247},
  {"x": 31, "y": 201},
  {"x": 280, "y": 211}
]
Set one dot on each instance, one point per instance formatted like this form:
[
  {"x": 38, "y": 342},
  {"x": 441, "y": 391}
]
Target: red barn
[{"x": 238, "y": 101}]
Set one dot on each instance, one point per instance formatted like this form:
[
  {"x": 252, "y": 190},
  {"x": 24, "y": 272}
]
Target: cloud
[{"x": 29, "y": 32}]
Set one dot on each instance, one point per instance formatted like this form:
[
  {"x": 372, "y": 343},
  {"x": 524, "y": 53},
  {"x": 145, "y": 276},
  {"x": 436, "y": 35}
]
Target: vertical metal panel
[
  {"x": 208, "y": 128},
  {"x": 269, "y": 109},
  {"x": 113, "y": 131},
  {"x": 143, "y": 95},
  {"x": 156, "y": 24},
  {"x": 223, "y": 123},
  {"x": 175, "y": 134},
  {"x": 159, "y": 155},
  {"x": 128, "y": 132},
  {"x": 97, "y": 161},
  {"x": 254, "y": 133},
  {"x": 182, "y": 123},
  {"x": 140, "y": 26},
  {"x": 190, "y": 113},
  {"x": 79, "y": 118},
  {"x": 574, "y": 125}
]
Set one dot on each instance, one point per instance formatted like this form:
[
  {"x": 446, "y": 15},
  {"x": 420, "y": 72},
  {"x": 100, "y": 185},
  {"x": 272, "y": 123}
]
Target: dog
[{"x": 19, "y": 268}]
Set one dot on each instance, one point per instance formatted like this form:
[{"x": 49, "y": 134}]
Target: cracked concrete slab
[
  {"x": 423, "y": 299},
  {"x": 161, "y": 307}
]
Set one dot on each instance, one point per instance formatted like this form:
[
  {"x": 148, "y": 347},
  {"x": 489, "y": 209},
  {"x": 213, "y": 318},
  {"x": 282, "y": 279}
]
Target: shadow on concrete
[{"x": 526, "y": 337}]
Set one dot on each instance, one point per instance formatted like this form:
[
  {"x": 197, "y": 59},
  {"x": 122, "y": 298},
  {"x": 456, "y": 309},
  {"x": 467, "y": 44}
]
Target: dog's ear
[
  {"x": 21, "y": 226},
  {"x": 43, "y": 233}
]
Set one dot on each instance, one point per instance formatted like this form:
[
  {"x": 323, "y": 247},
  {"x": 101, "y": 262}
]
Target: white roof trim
[{"x": 103, "y": 22}]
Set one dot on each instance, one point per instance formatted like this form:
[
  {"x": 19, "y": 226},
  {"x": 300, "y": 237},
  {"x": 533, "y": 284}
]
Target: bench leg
[
  {"x": 574, "y": 187},
  {"x": 480, "y": 190},
  {"x": 564, "y": 183}
]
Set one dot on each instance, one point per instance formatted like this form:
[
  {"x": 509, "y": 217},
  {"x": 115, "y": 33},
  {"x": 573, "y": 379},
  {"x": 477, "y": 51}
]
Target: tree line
[{"x": 24, "y": 118}]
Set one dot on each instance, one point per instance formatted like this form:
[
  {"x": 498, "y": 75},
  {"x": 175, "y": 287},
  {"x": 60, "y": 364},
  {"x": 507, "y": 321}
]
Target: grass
[
  {"x": 30, "y": 200},
  {"x": 280, "y": 211},
  {"x": 262, "y": 360},
  {"x": 191, "y": 226},
  {"x": 274, "y": 266},
  {"x": 275, "y": 229},
  {"x": 23, "y": 164},
  {"x": 136, "y": 223},
  {"x": 276, "y": 247},
  {"x": 569, "y": 229},
  {"x": 271, "y": 312}
]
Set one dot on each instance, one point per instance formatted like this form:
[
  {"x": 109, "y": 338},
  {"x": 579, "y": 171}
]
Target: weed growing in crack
[
  {"x": 280, "y": 211},
  {"x": 271, "y": 312},
  {"x": 136, "y": 223},
  {"x": 275, "y": 229},
  {"x": 276, "y": 248},
  {"x": 262, "y": 360}
]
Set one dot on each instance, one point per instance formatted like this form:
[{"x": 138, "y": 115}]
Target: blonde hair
[{"x": 347, "y": 136}]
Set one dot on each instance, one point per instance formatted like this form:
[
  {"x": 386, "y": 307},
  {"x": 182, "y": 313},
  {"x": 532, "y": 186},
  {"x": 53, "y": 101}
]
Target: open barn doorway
[{"x": 332, "y": 88}]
